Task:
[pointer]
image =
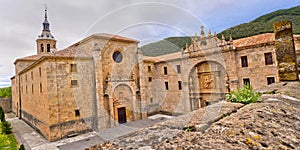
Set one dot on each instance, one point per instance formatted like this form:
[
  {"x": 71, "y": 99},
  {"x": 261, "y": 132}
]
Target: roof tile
[{"x": 254, "y": 40}]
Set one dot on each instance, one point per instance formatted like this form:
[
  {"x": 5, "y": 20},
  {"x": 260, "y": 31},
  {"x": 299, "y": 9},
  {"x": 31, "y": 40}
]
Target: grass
[{"x": 8, "y": 141}]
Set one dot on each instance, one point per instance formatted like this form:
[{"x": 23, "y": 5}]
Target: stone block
[{"x": 285, "y": 51}]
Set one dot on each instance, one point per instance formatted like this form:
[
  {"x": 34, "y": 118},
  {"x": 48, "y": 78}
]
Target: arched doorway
[
  {"x": 123, "y": 104},
  {"x": 207, "y": 84}
]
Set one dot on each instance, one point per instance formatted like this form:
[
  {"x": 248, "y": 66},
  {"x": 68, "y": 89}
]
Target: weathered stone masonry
[{"x": 104, "y": 80}]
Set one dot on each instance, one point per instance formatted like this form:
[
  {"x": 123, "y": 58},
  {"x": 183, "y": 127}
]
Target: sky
[{"x": 144, "y": 20}]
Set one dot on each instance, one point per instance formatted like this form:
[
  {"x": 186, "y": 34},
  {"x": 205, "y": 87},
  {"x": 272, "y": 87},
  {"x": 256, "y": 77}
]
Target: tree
[
  {"x": 22, "y": 147},
  {"x": 2, "y": 115},
  {"x": 5, "y": 92},
  {"x": 5, "y": 127}
]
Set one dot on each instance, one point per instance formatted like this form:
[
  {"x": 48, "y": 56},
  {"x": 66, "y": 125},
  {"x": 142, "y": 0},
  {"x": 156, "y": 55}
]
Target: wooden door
[{"x": 122, "y": 115}]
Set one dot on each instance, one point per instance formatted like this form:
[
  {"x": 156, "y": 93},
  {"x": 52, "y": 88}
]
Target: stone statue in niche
[{"x": 208, "y": 82}]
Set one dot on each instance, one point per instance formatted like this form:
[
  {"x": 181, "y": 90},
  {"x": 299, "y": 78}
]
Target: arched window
[
  {"x": 48, "y": 47},
  {"x": 42, "y": 47}
]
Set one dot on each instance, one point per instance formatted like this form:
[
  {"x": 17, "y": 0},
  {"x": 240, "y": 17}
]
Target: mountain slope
[
  {"x": 264, "y": 24},
  {"x": 165, "y": 46}
]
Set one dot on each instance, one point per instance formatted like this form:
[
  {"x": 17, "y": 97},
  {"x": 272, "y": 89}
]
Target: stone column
[{"x": 285, "y": 51}]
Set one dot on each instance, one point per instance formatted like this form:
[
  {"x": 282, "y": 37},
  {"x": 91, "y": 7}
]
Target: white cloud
[{"x": 144, "y": 20}]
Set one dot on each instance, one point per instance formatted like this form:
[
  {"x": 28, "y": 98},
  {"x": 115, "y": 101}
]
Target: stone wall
[
  {"x": 5, "y": 103},
  {"x": 111, "y": 76},
  {"x": 47, "y": 87},
  {"x": 285, "y": 51},
  {"x": 256, "y": 71},
  {"x": 71, "y": 107}
]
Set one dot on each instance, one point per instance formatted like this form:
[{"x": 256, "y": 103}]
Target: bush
[
  {"x": 22, "y": 147},
  {"x": 244, "y": 95},
  {"x": 5, "y": 127},
  {"x": 2, "y": 115},
  {"x": 8, "y": 142}
]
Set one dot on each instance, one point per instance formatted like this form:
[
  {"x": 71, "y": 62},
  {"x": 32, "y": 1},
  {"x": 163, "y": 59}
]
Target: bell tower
[{"x": 46, "y": 42}]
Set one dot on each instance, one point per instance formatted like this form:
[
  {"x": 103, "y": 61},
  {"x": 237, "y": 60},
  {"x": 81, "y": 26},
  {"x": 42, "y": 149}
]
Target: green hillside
[
  {"x": 165, "y": 46},
  {"x": 263, "y": 24},
  {"x": 5, "y": 92}
]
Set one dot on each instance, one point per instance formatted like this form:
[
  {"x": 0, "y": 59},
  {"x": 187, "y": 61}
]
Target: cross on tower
[{"x": 46, "y": 6}]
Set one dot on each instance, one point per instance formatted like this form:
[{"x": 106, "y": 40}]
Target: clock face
[{"x": 117, "y": 56}]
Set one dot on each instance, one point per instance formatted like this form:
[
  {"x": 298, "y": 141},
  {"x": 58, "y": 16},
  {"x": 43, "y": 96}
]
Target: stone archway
[
  {"x": 123, "y": 103},
  {"x": 208, "y": 83}
]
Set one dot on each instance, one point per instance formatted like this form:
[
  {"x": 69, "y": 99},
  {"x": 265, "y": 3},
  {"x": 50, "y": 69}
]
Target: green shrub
[
  {"x": 2, "y": 115},
  {"x": 5, "y": 127},
  {"x": 8, "y": 142},
  {"x": 244, "y": 95},
  {"x": 22, "y": 147}
]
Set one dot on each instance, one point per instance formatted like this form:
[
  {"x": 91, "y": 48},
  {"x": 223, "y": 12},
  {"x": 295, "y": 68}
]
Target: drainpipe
[{"x": 20, "y": 99}]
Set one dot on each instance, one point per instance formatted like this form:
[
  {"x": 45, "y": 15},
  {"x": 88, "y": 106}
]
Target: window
[
  {"x": 268, "y": 59},
  {"x": 179, "y": 85},
  {"x": 26, "y": 77},
  {"x": 150, "y": 79},
  {"x": 40, "y": 71},
  {"x": 165, "y": 70},
  {"x": 77, "y": 113},
  {"x": 244, "y": 61},
  {"x": 42, "y": 47},
  {"x": 149, "y": 68},
  {"x": 117, "y": 56},
  {"x": 151, "y": 100},
  {"x": 41, "y": 88},
  {"x": 270, "y": 80},
  {"x": 246, "y": 81},
  {"x": 178, "y": 69},
  {"x": 167, "y": 85},
  {"x": 73, "y": 68},
  {"x": 32, "y": 88},
  {"x": 74, "y": 83},
  {"x": 31, "y": 75},
  {"x": 48, "y": 47}
]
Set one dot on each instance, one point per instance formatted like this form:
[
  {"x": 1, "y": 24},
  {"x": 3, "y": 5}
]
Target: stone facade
[
  {"x": 104, "y": 80},
  {"x": 206, "y": 70}
]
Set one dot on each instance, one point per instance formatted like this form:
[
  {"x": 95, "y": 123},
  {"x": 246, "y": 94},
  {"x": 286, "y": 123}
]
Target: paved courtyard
[{"x": 32, "y": 140}]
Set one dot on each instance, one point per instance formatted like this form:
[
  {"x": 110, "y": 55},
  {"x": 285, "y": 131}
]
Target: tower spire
[
  {"x": 46, "y": 25},
  {"x": 45, "y": 11},
  {"x": 46, "y": 41}
]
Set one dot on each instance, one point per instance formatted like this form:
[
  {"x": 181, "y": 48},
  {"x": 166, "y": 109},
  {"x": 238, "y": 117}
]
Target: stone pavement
[
  {"x": 32, "y": 140},
  {"x": 28, "y": 136}
]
